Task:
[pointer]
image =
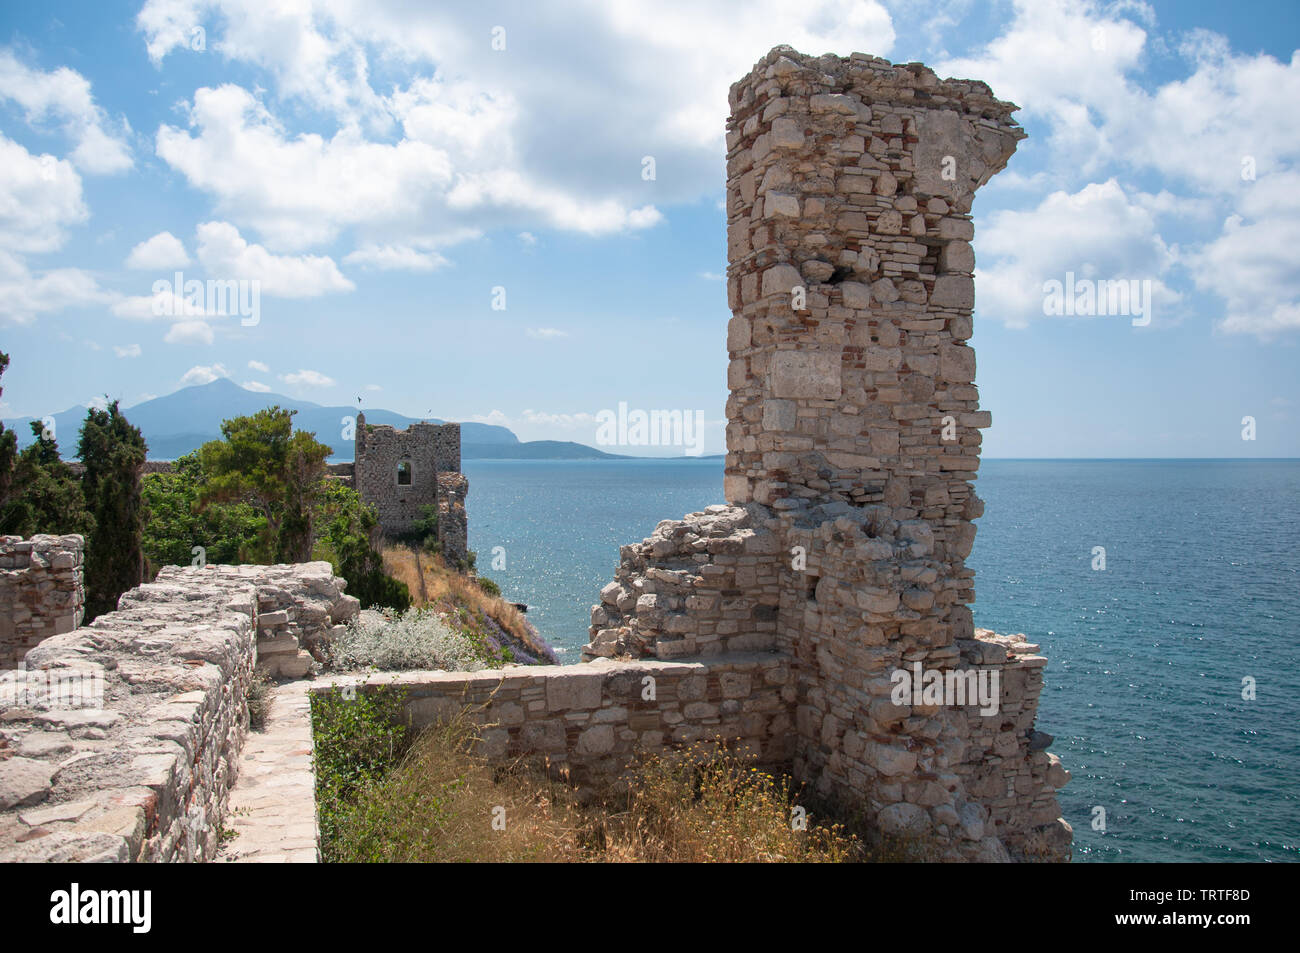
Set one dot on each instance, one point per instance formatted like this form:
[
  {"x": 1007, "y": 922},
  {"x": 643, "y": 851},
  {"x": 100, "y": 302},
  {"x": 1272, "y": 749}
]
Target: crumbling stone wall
[
  {"x": 120, "y": 741},
  {"x": 853, "y": 440},
  {"x": 593, "y": 720},
  {"x": 42, "y": 592},
  {"x": 432, "y": 454}
]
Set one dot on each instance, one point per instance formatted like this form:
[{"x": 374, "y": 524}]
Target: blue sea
[{"x": 1147, "y": 657}]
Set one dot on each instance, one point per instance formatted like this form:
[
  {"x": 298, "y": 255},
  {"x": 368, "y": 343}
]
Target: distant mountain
[{"x": 179, "y": 423}]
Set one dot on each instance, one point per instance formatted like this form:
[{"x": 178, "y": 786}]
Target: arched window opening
[{"x": 404, "y": 473}]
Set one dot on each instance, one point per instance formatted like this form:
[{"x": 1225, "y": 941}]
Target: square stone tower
[
  {"x": 402, "y": 471},
  {"x": 853, "y": 436},
  {"x": 849, "y": 183}
]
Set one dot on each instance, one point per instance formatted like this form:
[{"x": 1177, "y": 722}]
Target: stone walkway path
[{"x": 273, "y": 804}]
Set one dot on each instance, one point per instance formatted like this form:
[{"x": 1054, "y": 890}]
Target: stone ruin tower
[
  {"x": 401, "y": 471},
  {"x": 853, "y": 441}
]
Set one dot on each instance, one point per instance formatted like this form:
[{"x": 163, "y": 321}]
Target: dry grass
[
  {"x": 434, "y": 584},
  {"x": 705, "y": 804},
  {"x": 445, "y": 803}
]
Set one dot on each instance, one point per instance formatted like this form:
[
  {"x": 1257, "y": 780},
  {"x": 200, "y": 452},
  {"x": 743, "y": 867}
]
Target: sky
[{"x": 444, "y": 209}]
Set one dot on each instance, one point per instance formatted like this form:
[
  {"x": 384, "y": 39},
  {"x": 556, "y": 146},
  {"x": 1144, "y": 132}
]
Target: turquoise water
[{"x": 1146, "y": 657}]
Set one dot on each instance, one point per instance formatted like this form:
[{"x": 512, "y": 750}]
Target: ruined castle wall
[
  {"x": 433, "y": 453},
  {"x": 453, "y": 522},
  {"x": 42, "y": 592},
  {"x": 379, "y": 451},
  {"x": 853, "y": 440},
  {"x": 701, "y": 586},
  {"x": 850, "y": 282},
  {"x": 593, "y": 720},
  {"x": 120, "y": 741}
]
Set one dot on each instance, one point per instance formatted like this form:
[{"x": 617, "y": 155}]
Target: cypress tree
[{"x": 113, "y": 453}]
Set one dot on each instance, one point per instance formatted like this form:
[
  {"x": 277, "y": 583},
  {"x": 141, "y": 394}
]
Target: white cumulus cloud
[
  {"x": 468, "y": 135},
  {"x": 189, "y": 332},
  {"x": 307, "y": 378},
  {"x": 162, "y": 251},
  {"x": 201, "y": 374},
  {"x": 225, "y": 254},
  {"x": 63, "y": 95},
  {"x": 1097, "y": 233}
]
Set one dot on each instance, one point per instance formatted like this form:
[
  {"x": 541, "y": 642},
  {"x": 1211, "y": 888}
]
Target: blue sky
[{"x": 381, "y": 168}]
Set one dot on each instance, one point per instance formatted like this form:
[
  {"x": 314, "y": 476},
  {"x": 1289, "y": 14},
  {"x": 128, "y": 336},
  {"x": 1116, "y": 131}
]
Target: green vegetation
[
  {"x": 8, "y": 453},
  {"x": 45, "y": 495},
  {"x": 356, "y": 741},
  {"x": 263, "y": 463},
  {"x": 232, "y": 533},
  {"x": 347, "y": 533},
  {"x": 260, "y": 495},
  {"x": 112, "y": 452},
  {"x": 386, "y": 796},
  {"x": 417, "y": 639},
  {"x": 424, "y": 530},
  {"x": 39, "y": 493}
]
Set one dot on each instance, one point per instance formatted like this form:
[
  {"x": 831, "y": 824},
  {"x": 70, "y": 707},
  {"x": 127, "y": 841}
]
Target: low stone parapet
[
  {"x": 119, "y": 741},
  {"x": 593, "y": 719}
]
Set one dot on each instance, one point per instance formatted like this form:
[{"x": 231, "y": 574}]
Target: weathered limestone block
[{"x": 806, "y": 374}]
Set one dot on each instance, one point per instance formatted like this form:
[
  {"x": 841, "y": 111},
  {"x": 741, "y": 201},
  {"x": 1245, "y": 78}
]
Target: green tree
[
  {"x": 348, "y": 537},
  {"x": 261, "y": 462},
  {"x": 175, "y": 523},
  {"x": 45, "y": 495},
  {"x": 113, "y": 453}
]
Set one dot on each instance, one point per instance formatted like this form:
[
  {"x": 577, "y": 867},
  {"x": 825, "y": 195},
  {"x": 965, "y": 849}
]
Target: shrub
[
  {"x": 229, "y": 533},
  {"x": 348, "y": 533},
  {"x": 357, "y": 739},
  {"x": 488, "y": 586},
  {"x": 415, "y": 639}
]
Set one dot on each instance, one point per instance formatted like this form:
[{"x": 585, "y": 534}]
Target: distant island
[{"x": 179, "y": 423}]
